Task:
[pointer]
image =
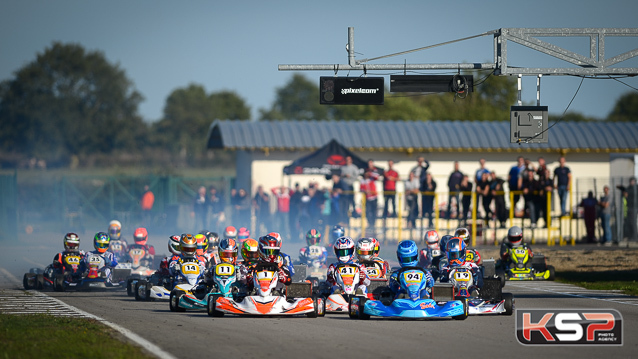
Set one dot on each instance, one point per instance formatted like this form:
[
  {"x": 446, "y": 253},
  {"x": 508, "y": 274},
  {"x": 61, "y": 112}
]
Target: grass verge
[
  {"x": 605, "y": 280},
  {"x": 46, "y": 336}
]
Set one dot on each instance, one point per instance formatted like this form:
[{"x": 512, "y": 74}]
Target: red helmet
[
  {"x": 269, "y": 248},
  {"x": 230, "y": 232},
  {"x": 140, "y": 236},
  {"x": 376, "y": 246},
  {"x": 432, "y": 239}
]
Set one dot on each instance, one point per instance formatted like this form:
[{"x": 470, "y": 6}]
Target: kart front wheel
[
  {"x": 130, "y": 289},
  {"x": 173, "y": 303},
  {"x": 552, "y": 272},
  {"x": 466, "y": 309},
  {"x": 509, "y": 303},
  {"x": 142, "y": 291},
  {"x": 58, "y": 283},
  {"x": 39, "y": 281},
  {"x": 25, "y": 280},
  {"x": 212, "y": 305}
]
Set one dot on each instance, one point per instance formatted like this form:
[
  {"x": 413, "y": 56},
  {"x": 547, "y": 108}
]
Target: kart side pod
[{"x": 443, "y": 292}]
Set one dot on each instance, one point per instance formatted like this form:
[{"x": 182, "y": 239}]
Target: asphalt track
[{"x": 194, "y": 334}]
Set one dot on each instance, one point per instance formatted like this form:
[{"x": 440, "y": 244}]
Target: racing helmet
[
  {"x": 313, "y": 237},
  {"x": 464, "y": 234},
  {"x": 213, "y": 240},
  {"x": 244, "y": 234},
  {"x": 455, "y": 251},
  {"x": 227, "y": 250},
  {"x": 72, "y": 242},
  {"x": 377, "y": 246},
  {"x": 432, "y": 239},
  {"x": 365, "y": 249},
  {"x": 250, "y": 250},
  {"x": 188, "y": 245},
  {"x": 173, "y": 245},
  {"x": 344, "y": 249},
  {"x": 202, "y": 244},
  {"x": 443, "y": 242},
  {"x": 115, "y": 228},
  {"x": 408, "y": 253},
  {"x": 515, "y": 236},
  {"x": 140, "y": 236},
  {"x": 338, "y": 232},
  {"x": 269, "y": 248},
  {"x": 230, "y": 232},
  {"x": 101, "y": 242}
]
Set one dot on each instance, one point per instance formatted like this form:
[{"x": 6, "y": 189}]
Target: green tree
[
  {"x": 626, "y": 108},
  {"x": 296, "y": 100},
  {"x": 188, "y": 114},
  {"x": 69, "y": 101}
]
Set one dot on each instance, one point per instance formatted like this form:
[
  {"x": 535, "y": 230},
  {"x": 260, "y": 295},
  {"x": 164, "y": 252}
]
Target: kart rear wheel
[
  {"x": 317, "y": 308},
  {"x": 509, "y": 303},
  {"x": 211, "y": 307},
  {"x": 130, "y": 290},
  {"x": 501, "y": 276},
  {"x": 142, "y": 291},
  {"x": 58, "y": 283},
  {"x": 466, "y": 309},
  {"x": 552, "y": 272},
  {"x": 25, "y": 280},
  {"x": 39, "y": 281},
  {"x": 173, "y": 303}
]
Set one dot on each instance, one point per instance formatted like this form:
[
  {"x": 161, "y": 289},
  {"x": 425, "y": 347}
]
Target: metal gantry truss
[{"x": 596, "y": 64}]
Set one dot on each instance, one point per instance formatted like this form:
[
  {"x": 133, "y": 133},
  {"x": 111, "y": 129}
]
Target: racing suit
[
  {"x": 362, "y": 282},
  {"x": 120, "y": 249},
  {"x": 473, "y": 255},
  {"x": 70, "y": 262},
  {"x": 309, "y": 254},
  {"x": 430, "y": 258},
  {"x": 149, "y": 254},
  {"x": 109, "y": 263},
  {"x": 176, "y": 266},
  {"x": 395, "y": 285},
  {"x": 284, "y": 260}
]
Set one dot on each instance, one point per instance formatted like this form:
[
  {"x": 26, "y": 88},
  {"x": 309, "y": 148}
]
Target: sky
[{"x": 238, "y": 45}]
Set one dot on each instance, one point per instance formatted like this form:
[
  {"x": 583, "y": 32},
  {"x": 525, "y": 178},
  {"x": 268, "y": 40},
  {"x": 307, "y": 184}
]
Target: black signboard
[{"x": 351, "y": 90}]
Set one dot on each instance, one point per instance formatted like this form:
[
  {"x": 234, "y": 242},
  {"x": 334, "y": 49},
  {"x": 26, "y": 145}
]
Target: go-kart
[
  {"x": 489, "y": 299},
  {"x": 346, "y": 275},
  {"x": 98, "y": 274},
  {"x": 69, "y": 276},
  {"x": 189, "y": 281},
  {"x": 224, "y": 284},
  {"x": 266, "y": 299},
  {"x": 413, "y": 301},
  {"x": 154, "y": 287},
  {"x": 521, "y": 267},
  {"x": 139, "y": 268}
]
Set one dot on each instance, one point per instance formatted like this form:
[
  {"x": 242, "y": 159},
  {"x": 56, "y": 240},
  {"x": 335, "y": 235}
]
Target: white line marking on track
[{"x": 593, "y": 293}]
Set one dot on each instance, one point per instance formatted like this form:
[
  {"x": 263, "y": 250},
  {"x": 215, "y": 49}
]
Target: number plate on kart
[
  {"x": 190, "y": 269},
  {"x": 373, "y": 272},
  {"x": 412, "y": 277},
  {"x": 347, "y": 274},
  {"x": 520, "y": 252},
  {"x": 225, "y": 269},
  {"x": 462, "y": 276},
  {"x": 72, "y": 260}
]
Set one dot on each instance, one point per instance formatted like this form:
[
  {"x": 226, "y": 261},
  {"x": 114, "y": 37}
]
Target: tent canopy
[{"x": 325, "y": 161}]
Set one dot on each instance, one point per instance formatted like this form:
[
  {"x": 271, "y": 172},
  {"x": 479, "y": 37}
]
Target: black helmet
[{"x": 515, "y": 235}]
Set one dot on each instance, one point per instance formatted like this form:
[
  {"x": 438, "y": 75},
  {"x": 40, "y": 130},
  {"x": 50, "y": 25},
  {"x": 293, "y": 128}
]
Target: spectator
[
  {"x": 390, "y": 178},
  {"x": 542, "y": 171},
  {"x": 349, "y": 174},
  {"x": 375, "y": 173},
  {"x": 369, "y": 189},
  {"x": 466, "y": 201},
  {"x": 515, "y": 179},
  {"x": 339, "y": 201},
  {"x": 282, "y": 194},
  {"x": 563, "y": 178},
  {"x": 427, "y": 199},
  {"x": 412, "y": 185},
  {"x": 295, "y": 212},
  {"x": 479, "y": 173},
  {"x": 498, "y": 193},
  {"x": 454, "y": 185},
  {"x": 589, "y": 205},
  {"x": 146, "y": 203},
  {"x": 261, "y": 205},
  {"x": 483, "y": 189},
  {"x": 420, "y": 171},
  {"x": 630, "y": 193},
  {"x": 530, "y": 195},
  {"x": 605, "y": 215},
  {"x": 200, "y": 209},
  {"x": 546, "y": 185},
  {"x": 216, "y": 204},
  {"x": 242, "y": 209}
]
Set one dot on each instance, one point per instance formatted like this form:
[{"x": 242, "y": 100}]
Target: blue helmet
[
  {"x": 443, "y": 242},
  {"x": 408, "y": 253},
  {"x": 455, "y": 251},
  {"x": 338, "y": 232}
]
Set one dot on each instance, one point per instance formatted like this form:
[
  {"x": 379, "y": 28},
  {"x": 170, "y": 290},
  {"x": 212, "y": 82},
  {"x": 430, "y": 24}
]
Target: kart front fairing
[
  {"x": 421, "y": 308},
  {"x": 265, "y": 305},
  {"x": 478, "y": 306}
]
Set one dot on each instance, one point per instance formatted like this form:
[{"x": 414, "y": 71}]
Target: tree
[
  {"x": 626, "y": 108},
  {"x": 188, "y": 114},
  {"x": 69, "y": 101},
  {"x": 296, "y": 100}
]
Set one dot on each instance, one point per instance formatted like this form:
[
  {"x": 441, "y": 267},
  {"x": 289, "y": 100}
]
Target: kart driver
[
  {"x": 141, "y": 237},
  {"x": 514, "y": 240},
  {"x": 101, "y": 245},
  {"x": 408, "y": 256},
  {"x": 119, "y": 245},
  {"x": 456, "y": 258},
  {"x": 430, "y": 256},
  {"x": 344, "y": 250},
  {"x": 365, "y": 249},
  {"x": 71, "y": 258},
  {"x": 472, "y": 254},
  {"x": 314, "y": 251}
]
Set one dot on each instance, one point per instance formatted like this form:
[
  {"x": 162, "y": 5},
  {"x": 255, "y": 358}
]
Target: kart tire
[
  {"x": 39, "y": 281},
  {"x": 173, "y": 302},
  {"x": 350, "y": 305},
  {"x": 211, "y": 306},
  {"x": 130, "y": 290},
  {"x": 25, "y": 280},
  {"x": 509, "y": 303},
  {"x": 317, "y": 308},
  {"x": 362, "y": 305},
  {"x": 58, "y": 283},
  {"x": 141, "y": 291},
  {"x": 466, "y": 309},
  {"x": 501, "y": 275},
  {"x": 552, "y": 273}
]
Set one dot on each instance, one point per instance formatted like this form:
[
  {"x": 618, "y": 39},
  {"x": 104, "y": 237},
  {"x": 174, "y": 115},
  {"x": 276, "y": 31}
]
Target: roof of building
[{"x": 431, "y": 136}]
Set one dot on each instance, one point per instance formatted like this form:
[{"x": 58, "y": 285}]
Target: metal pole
[
  {"x": 538, "y": 90},
  {"x": 520, "y": 89},
  {"x": 351, "y": 60}
]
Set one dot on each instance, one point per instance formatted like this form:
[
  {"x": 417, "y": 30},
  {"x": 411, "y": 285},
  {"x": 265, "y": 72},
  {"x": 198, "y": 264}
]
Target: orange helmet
[
  {"x": 230, "y": 232},
  {"x": 188, "y": 245},
  {"x": 140, "y": 236}
]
